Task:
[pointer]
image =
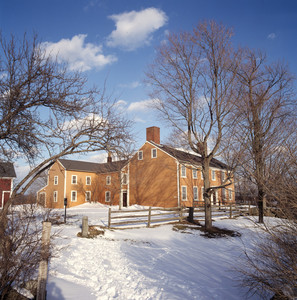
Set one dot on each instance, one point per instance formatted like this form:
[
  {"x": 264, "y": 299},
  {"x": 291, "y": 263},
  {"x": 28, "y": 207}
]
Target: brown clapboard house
[{"x": 156, "y": 175}]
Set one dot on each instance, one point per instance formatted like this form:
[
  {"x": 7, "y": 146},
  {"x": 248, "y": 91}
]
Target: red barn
[{"x": 7, "y": 174}]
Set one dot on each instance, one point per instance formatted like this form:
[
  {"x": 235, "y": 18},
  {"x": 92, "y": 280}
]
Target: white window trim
[
  {"x": 154, "y": 150},
  {"x": 124, "y": 178},
  {"x": 72, "y": 177},
  {"x": 55, "y": 197},
  {"x": 140, "y": 155},
  {"x": 229, "y": 194},
  {"x": 87, "y": 180},
  {"x": 183, "y": 167},
  {"x": 108, "y": 180},
  {"x": 213, "y": 175},
  {"x": 107, "y": 193},
  {"x": 88, "y": 192},
  {"x": 195, "y": 199},
  {"x": 195, "y": 173},
  {"x": 56, "y": 178},
  {"x": 75, "y": 196},
  {"x": 182, "y": 194}
]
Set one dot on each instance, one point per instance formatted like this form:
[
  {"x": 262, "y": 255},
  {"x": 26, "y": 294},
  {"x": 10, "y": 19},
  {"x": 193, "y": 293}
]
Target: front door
[{"x": 125, "y": 199}]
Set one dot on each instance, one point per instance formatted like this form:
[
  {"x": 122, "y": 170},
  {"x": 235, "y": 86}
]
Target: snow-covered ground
[{"x": 145, "y": 263}]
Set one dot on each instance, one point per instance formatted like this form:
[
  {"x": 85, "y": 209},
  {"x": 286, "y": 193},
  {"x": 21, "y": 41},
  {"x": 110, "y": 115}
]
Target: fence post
[
  {"x": 109, "y": 217},
  {"x": 43, "y": 265},
  {"x": 230, "y": 210},
  {"x": 180, "y": 214},
  {"x": 191, "y": 214},
  {"x": 85, "y": 227},
  {"x": 149, "y": 217}
]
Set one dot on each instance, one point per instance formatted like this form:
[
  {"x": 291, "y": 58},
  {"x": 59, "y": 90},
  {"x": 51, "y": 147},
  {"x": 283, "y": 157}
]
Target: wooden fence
[{"x": 149, "y": 216}]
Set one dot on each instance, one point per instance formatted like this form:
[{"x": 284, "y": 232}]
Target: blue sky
[{"x": 116, "y": 39}]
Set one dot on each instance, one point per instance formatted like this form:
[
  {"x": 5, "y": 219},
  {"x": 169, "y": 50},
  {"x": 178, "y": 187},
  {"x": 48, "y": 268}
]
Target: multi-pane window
[
  {"x": 195, "y": 173},
  {"x": 107, "y": 196},
  {"x": 108, "y": 180},
  {"x": 88, "y": 196},
  {"x": 140, "y": 155},
  {"x": 73, "y": 196},
  {"x": 56, "y": 180},
  {"x": 195, "y": 193},
  {"x": 74, "y": 179},
  {"x": 223, "y": 193},
  {"x": 202, "y": 193},
  {"x": 223, "y": 176},
  {"x": 55, "y": 196},
  {"x": 213, "y": 174},
  {"x": 88, "y": 180},
  {"x": 124, "y": 178},
  {"x": 230, "y": 195},
  {"x": 201, "y": 174},
  {"x": 183, "y": 171},
  {"x": 154, "y": 153},
  {"x": 184, "y": 193}
]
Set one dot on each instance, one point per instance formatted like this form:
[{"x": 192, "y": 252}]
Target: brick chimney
[
  {"x": 153, "y": 134},
  {"x": 109, "y": 158}
]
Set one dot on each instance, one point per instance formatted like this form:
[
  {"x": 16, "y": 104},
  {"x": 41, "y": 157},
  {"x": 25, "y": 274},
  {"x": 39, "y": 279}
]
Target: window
[
  {"x": 56, "y": 180},
  {"x": 140, "y": 155},
  {"x": 124, "y": 178},
  {"x": 88, "y": 180},
  {"x": 108, "y": 180},
  {"x": 154, "y": 153},
  {"x": 73, "y": 196},
  {"x": 201, "y": 175},
  {"x": 74, "y": 179},
  {"x": 55, "y": 196},
  {"x": 223, "y": 176},
  {"x": 202, "y": 194},
  {"x": 195, "y": 173},
  {"x": 213, "y": 174},
  {"x": 230, "y": 195},
  {"x": 107, "y": 196},
  {"x": 195, "y": 193},
  {"x": 88, "y": 196},
  {"x": 183, "y": 171},
  {"x": 223, "y": 193},
  {"x": 184, "y": 193}
]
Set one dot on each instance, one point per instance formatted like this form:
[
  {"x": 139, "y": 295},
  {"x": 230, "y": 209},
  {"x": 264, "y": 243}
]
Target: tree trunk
[{"x": 206, "y": 195}]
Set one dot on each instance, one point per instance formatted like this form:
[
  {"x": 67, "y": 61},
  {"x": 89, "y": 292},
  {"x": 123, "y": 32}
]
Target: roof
[
  {"x": 84, "y": 166},
  {"x": 7, "y": 170},
  {"x": 186, "y": 157}
]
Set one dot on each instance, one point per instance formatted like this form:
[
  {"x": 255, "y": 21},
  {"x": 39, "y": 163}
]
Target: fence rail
[
  {"x": 149, "y": 216},
  {"x": 145, "y": 216}
]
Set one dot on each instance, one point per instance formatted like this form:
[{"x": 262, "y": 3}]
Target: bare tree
[
  {"x": 271, "y": 267},
  {"x": 262, "y": 112},
  {"x": 192, "y": 77},
  {"x": 46, "y": 112}
]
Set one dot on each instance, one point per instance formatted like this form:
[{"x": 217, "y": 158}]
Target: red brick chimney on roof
[
  {"x": 109, "y": 158},
  {"x": 153, "y": 134}
]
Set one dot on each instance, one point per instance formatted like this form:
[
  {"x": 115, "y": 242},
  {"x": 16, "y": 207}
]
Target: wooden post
[
  {"x": 149, "y": 217},
  {"x": 109, "y": 217},
  {"x": 180, "y": 214},
  {"x": 191, "y": 214},
  {"x": 230, "y": 210},
  {"x": 43, "y": 265},
  {"x": 85, "y": 227}
]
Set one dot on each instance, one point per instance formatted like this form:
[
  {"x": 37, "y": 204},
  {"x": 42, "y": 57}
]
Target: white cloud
[
  {"x": 80, "y": 55},
  {"x": 271, "y": 36},
  {"x": 134, "y": 29},
  {"x": 141, "y": 105},
  {"x": 132, "y": 85}
]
